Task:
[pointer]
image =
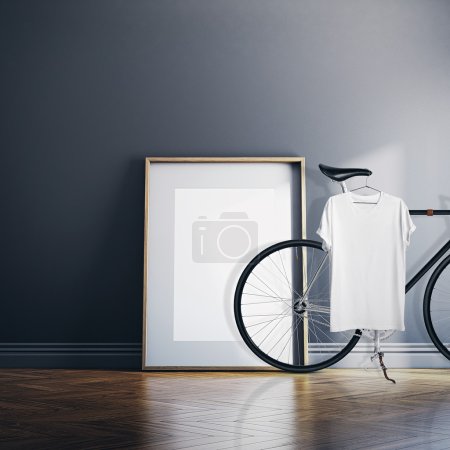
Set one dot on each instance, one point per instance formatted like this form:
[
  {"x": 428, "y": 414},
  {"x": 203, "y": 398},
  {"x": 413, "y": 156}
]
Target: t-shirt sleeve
[
  {"x": 407, "y": 224},
  {"x": 324, "y": 230}
]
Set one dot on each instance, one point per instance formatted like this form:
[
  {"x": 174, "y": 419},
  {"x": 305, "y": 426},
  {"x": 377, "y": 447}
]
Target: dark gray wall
[{"x": 89, "y": 88}]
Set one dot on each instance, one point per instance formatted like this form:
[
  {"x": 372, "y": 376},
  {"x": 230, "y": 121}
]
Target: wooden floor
[{"x": 330, "y": 409}]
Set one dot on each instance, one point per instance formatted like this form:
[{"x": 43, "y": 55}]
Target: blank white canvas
[{"x": 203, "y": 291}]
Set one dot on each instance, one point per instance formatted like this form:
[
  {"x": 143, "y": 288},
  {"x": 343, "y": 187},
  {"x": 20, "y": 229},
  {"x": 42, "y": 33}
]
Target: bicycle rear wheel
[
  {"x": 282, "y": 308},
  {"x": 436, "y": 307}
]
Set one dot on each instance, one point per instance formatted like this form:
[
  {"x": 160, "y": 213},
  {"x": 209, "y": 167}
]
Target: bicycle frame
[
  {"x": 300, "y": 324},
  {"x": 436, "y": 257}
]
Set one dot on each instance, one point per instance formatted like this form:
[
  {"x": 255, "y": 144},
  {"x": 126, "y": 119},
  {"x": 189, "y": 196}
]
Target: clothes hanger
[{"x": 370, "y": 187}]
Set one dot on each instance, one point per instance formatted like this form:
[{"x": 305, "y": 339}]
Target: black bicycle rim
[
  {"x": 427, "y": 307},
  {"x": 243, "y": 331}
]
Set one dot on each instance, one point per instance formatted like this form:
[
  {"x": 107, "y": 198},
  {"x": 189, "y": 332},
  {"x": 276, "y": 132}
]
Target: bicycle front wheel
[
  {"x": 282, "y": 308},
  {"x": 436, "y": 307}
]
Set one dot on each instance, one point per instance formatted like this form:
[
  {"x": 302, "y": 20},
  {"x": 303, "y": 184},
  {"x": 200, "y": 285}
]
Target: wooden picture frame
[{"x": 175, "y": 187}]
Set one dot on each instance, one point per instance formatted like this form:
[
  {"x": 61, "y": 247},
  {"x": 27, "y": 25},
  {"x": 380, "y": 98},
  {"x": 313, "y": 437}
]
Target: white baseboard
[{"x": 396, "y": 355}]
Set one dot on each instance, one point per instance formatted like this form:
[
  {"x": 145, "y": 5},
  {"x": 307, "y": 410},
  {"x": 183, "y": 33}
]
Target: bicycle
[{"x": 284, "y": 320}]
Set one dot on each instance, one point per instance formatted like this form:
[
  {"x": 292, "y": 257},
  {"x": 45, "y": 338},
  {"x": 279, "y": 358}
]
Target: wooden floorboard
[{"x": 331, "y": 409}]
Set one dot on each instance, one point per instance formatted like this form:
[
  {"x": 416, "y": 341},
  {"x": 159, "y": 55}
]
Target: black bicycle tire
[
  {"x": 240, "y": 323},
  {"x": 426, "y": 307}
]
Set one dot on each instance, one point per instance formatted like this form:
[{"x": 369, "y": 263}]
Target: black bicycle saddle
[{"x": 341, "y": 174}]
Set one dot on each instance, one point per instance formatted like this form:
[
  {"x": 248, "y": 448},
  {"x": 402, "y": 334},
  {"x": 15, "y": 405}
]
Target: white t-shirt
[{"x": 367, "y": 245}]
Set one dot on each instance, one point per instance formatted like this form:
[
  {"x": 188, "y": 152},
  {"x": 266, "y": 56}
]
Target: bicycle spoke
[
  {"x": 279, "y": 339},
  {"x": 290, "y": 337},
  {"x": 279, "y": 321},
  {"x": 254, "y": 274},
  {"x": 441, "y": 290},
  {"x": 442, "y": 318},
  {"x": 263, "y": 291},
  {"x": 269, "y": 296},
  {"x": 265, "y": 326},
  {"x": 284, "y": 274}
]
